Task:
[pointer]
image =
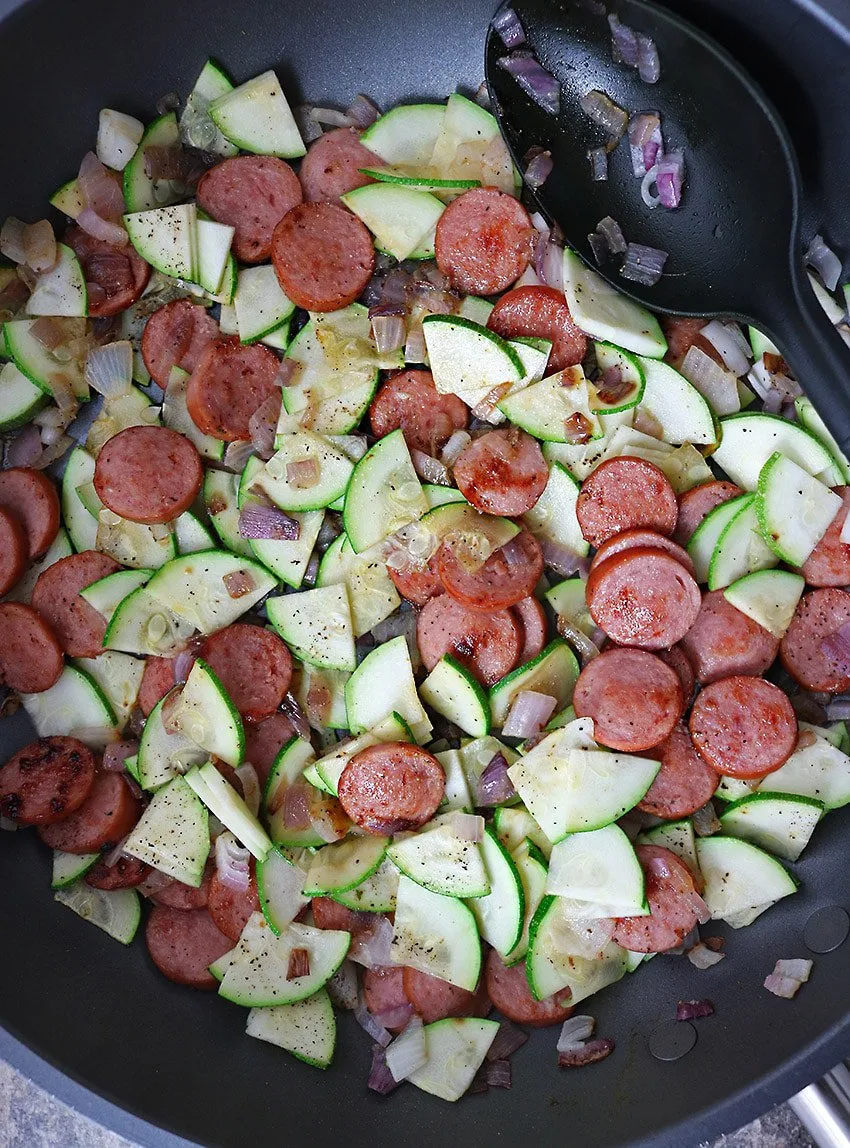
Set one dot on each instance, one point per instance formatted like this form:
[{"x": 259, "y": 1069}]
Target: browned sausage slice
[
  {"x": 323, "y": 256},
  {"x": 331, "y": 167},
  {"x": 622, "y": 494},
  {"x": 56, "y": 596},
  {"x": 30, "y": 656},
  {"x": 417, "y": 584},
  {"x": 409, "y": 399},
  {"x": 508, "y": 990},
  {"x": 115, "y": 276},
  {"x": 231, "y": 908},
  {"x": 329, "y": 914},
  {"x": 643, "y": 598},
  {"x": 815, "y": 665},
  {"x": 634, "y": 699},
  {"x": 671, "y": 893},
  {"x": 29, "y": 495},
  {"x": 148, "y": 474},
  {"x": 684, "y": 783},
  {"x": 106, "y": 816},
  {"x": 678, "y": 660},
  {"x": 502, "y": 472},
  {"x": 176, "y": 336},
  {"x": 46, "y": 781},
  {"x": 743, "y": 726},
  {"x": 157, "y": 680},
  {"x": 383, "y": 989},
  {"x": 126, "y": 873},
  {"x": 509, "y": 574},
  {"x": 489, "y": 645},
  {"x": 264, "y": 740},
  {"x": 183, "y": 944},
  {"x": 14, "y": 550},
  {"x": 254, "y": 666},
  {"x": 433, "y": 999},
  {"x": 229, "y": 384},
  {"x": 483, "y": 241},
  {"x": 532, "y": 619},
  {"x": 829, "y": 562},
  {"x": 252, "y": 193},
  {"x": 177, "y": 895},
  {"x": 540, "y": 313},
  {"x": 699, "y": 501},
  {"x": 392, "y": 786},
  {"x": 643, "y": 540},
  {"x": 723, "y": 641}
]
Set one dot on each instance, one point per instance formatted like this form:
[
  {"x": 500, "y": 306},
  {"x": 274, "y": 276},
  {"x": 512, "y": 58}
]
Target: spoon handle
[{"x": 818, "y": 356}]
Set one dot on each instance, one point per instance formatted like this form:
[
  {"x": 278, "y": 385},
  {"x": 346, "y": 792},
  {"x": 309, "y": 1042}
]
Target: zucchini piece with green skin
[
  {"x": 133, "y": 544},
  {"x": 456, "y": 1048},
  {"x": 820, "y": 771},
  {"x": 731, "y": 788},
  {"x": 768, "y": 597},
  {"x": 468, "y": 126},
  {"x": 543, "y": 409},
  {"x": 220, "y": 493},
  {"x": 306, "y": 1029},
  {"x": 173, "y": 834},
  {"x": 314, "y": 677},
  {"x": 556, "y": 960},
  {"x": 261, "y": 306},
  {"x": 222, "y": 799},
  {"x": 749, "y": 440},
  {"x": 384, "y": 493},
  {"x": 474, "y": 757},
  {"x": 781, "y": 823},
  {"x": 554, "y": 671},
  {"x": 401, "y": 178},
  {"x": 377, "y": 894},
  {"x": 678, "y": 837},
  {"x": 794, "y": 509},
  {"x": 20, "y": 399},
  {"x": 280, "y": 888},
  {"x": 811, "y": 420},
  {"x": 67, "y": 199},
  {"x": 343, "y": 865},
  {"x": 107, "y": 593},
  {"x": 436, "y": 935},
  {"x": 439, "y": 860},
  {"x": 257, "y": 975},
  {"x": 606, "y": 315},
  {"x": 34, "y": 360},
  {"x": 676, "y": 405},
  {"x": 382, "y": 684},
  {"x": 256, "y": 117},
  {"x": 62, "y": 290},
  {"x": 500, "y": 913},
  {"x": 117, "y": 911},
  {"x": 70, "y": 867},
  {"x": 371, "y": 592},
  {"x": 457, "y": 521},
  {"x": 609, "y": 357},
  {"x": 740, "y": 878},
  {"x": 704, "y": 539},
  {"x": 288, "y": 769},
  {"x": 761, "y": 344},
  {"x": 74, "y": 704},
  {"x": 206, "y": 715},
  {"x": 316, "y": 625},
  {"x": 740, "y": 549},
  {"x": 334, "y": 472},
  {"x": 195, "y": 588},
  {"x": 456, "y": 794},
  {"x": 166, "y": 237},
  {"x": 568, "y": 599},
  {"x": 455, "y": 694},
  {"x": 440, "y": 495},
  {"x": 119, "y": 677},
  {"x": 164, "y": 754},
  {"x": 467, "y": 359},
  {"x": 196, "y": 126},
  {"x": 216, "y": 265},
  {"x": 514, "y": 824},
  {"x": 191, "y": 535},
  {"x": 553, "y": 517},
  {"x": 399, "y": 217},
  {"x": 141, "y": 193},
  {"x": 597, "y": 874},
  {"x": 406, "y": 135},
  {"x": 531, "y": 866},
  {"x": 142, "y": 624}
]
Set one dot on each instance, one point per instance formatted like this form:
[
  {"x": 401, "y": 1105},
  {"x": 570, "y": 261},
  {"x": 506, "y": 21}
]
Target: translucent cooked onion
[
  {"x": 507, "y": 24},
  {"x": 40, "y": 246},
  {"x": 538, "y": 84},
  {"x": 605, "y": 113},
  {"x": 408, "y": 1052},
  {"x": 821, "y": 258},
  {"x": 12, "y": 240},
  {"x": 109, "y": 369},
  {"x": 430, "y": 469},
  {"x": 232, "y": 862},
  {"x": 528, "y": 714}
]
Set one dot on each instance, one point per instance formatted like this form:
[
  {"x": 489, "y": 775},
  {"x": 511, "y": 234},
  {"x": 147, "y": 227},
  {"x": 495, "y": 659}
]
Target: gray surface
[{"x": 32, "y": 1118}]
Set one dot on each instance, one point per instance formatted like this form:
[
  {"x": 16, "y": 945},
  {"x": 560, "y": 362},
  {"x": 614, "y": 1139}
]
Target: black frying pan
[{"x": 180, "y": 1059}]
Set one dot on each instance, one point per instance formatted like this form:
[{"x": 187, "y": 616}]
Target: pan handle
[{"x": 824, "y": 1108}]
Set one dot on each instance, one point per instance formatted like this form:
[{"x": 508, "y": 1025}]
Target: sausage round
[
  {"x": 177, "y": 895},
  {"x": 434, "y": 1000},
  {"x": 540, "y": 313},
  {"x": 106, "y": 816},
  {"x": 643, "y": 540},
  {"x": 252, "y": 193},
  {"x": 231, "y": 908},
  {"x": 323, "y": 256},
  {"x": 818, "y": 616},
  {"x": 392, "y": 786},
  {"x": 176, "y": 336},
  {"x": 698, "y": 502},
  {"x": 126, "y": 873},
  {"x": 56, "y": 596},
  {"x": 417, "y": 584},
  {"x": 743, "y": 726},
  {"x": 634, "y": 699},
  {"x": 502, "y": 472},
  {"x": 623, "y": 494},
  {"x": 483, "y": 241},
  {"x": 148, "y": 474},
  {"x": 157, "y": 680},
  {"x": 14, "y": 550},
  {"x": 254, "y": 666},
  {"x": 46, "y": 781},
  {"x": 532, "y": 620},
  {"x": 264, "y": 740},
  {"x": 183, "y": 944},
  {"x": 487, "y": 644},
  {"x": 671, "y": 892},
  {"x": 329, "y": 914},
  {"x": 331, "y": 167},
  {"x": 508, "y": 989},
  {"x": 409, "y": 399},
  {"x": 643, "y": 598},
  {"x": 678, "y": 660},
  {"x": 684, "y": 783},
  {"x": 829, "y": 562},
  {"x": 30, "y": 656},
  {"x": 383, "y": 989},
  {"x": 29, "y": 495},
  {"x": 510, "y": 574},
  {"x": 115, "y": 276},
  {"x": 230, "y": 383},
  {"x": 723, "y": 642}
]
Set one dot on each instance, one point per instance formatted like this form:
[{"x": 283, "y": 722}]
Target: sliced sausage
[
  {"x": 684, "y": 783},
  {"x": 230, "y": 383},
  {"x": 502, "y": 472},
  {"x": 390, "y": 787},
  {"x": 417, "y": 584},
  {"x": 331, "y": 167},
  {"x": 323, "y": 256},
  {"x": 643, "y": 598},
  {"x": 643, "y": 540},
  {"x": 176, "y": 336},
  {"x": 540, "y": 313},
  {"x": 532, "y": 619},
  {"x": 148, "y": 474},
  {"x": 177, "y": 895},
  {"x": 46, "y": 781},
  {"x": 682, "y": 333},
  {"x": 157, "y": 680},
  {"x": 14, "y": 550},
  {"x": 264, "y": 740},
  {"x": 106, "y": 816},
  {"x": 819, "y": 615},
  {"x": 483, "y": 241},
  {"x": 698, "y": 502},
  {"x": 329, "y": 914},
  {"x": 508, "y": 989},
  {"x": 30, "y": 495},
  {"x": 634, "y": 699},
  {"x": 723, "y": 642},
  {"x": 829, "y": 562},
  {"x": 743, "y": 726},
  {"x": 623, "y": 494},
  {"x": 433, "y": 999},
  {"x": 252, "y": 193},
  {"x": 126, "y": 873},
  {"x": 183, "y": 944},
  {"x": 231, "y": 908},
  {"x": 56, "y": 596},
  {"x": 671, "y": 893},
  {"x": 509, "y": 574},
  {"x": 409, "y": 399},
  {"x": 678, "y": 660},
  {"x": 30, "y": 655},
  {"x": 115, "y": 276},
  {"x": 383, "y": 989},
  {"x": 254, "y": 666},
  {"x": 487, "y": 644}
]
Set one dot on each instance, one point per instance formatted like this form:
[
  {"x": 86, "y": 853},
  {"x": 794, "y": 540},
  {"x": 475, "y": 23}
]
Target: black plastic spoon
[{"x": 734, "y": 243}]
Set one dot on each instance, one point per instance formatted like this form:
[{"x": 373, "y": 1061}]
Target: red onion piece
[
  {"x": 263, "y": 424},
  {"x": 232, "y": 862},
  {"x": 303, "y": 474},
  {"x": 494, "y": 785},
  {"x": 468, "y": 826},
  {"x": 540, "y": 168},
  {"x": 430, "y": 469},
  {"x": 115, "y": 754},
  {"x": 295, "y": 804},
  {"x": 624, "y": 44},
  {"x": 100, "y": 190},
  {"x": 154, "y": 883},
  {"x": 528, "y": 714},
  {"x": 588, "y": 1054},
  {"x": 287, "y": 372},
  {"x": 507, "y": 24},
  {"x": 821, "y": 258},
  {"x": 575, "y": 1031},
  {"x": 508, "y": 1039},
  {"x": 40, "y": 246},
  {"x": 613, "y": 234},
  {"x": 563, "y": 560},
  {"x": 837, "y": 648},
  {"x": 701, "y": 957},
  {"x": 583, "y": 645},
  {"x": 669, "y": 178},
  {"x": 798, "y": 968},
  {"x": 101, "y": 229},
  {"x": 371, "y": 947},
  {"x": 605, "y": 113},
  {"x": 497, "y": 1073},
  {"x": 12, "y": 239},
  {"x": 598, "y": 157},
  {"x": 455, "y": 447},
  {"x": 238, "y": 583},
  {"x": 538, "y": 84},
  {"x": 24, "y": 448},
  {"x": 381, "y": 1080},
  {"x": 299, "y": 964},
  {"x": 268, "y": 522},
  {"x": 396, "y": 1017},
  {"x": 785, "y": 987},
  {"x": 295, "y": 714},
  {"x": 648, "y": 61},
  {"x": 705, "y": 822},
  {"x": 250, "y": 783},
  {"x": 643, "y": 265},
  {"x": 370, "y": 1025},
  {"x": 363, "y": 112},
  {"x": 237, "y": 454},
  {"x": 408, "y": 1052},
  {"x": 342, "y": 987},
  {"x": 694, "y": 1010}
]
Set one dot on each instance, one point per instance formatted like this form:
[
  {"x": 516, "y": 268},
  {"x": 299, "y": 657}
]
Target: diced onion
[
  {"x": 40, "y": 246},
  {"x": 494, "y": 785},
  {"x": 586, "y": 1054},
  {"x": 381, "y": 1080},
  {"x": 250, "y": 786},
  {"x": 232, "y": 862},
  {"x": 430, "y": 469},
  {"x": 12, "y": 240},
  {"x": 362, "y": 112},
  {"x": 575, "y": 1031},
  {"x": 109, "y": 369},
  {"x": 528, "y": 714},
  {"x": 539, "y": 170},
  {"x": 823, "y": 259},
  {"x": 603, "y": 111},
  {"x": 669, "y": 178},
  {"x": 716, "y": 384},
  {"x": 800, "y": 969},
  {"x": 722, "y": 338},
  {"x": 643, "y": 264},
  {"x": 468, "y": 826},
  {"x": 118, "y": 137},
  {"x": 701, "y": 957},
  {"x": 267, "y": 522},
  {"x": 408, "y": 1052},
  {"x": 389, "y": 333},
  {"x": 598, "y": 157},
  {"x": 507, "y": 24},
  {"x": 455, "y": 447},
  {"x": 303, "y": 473},
  {"x": 694, "y": 1010},
  {"x": 538, "y": 84}
]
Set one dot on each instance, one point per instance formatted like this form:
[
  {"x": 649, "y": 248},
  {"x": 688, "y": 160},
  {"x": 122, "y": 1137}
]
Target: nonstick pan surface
[{"x": 179, "y": 1059}]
